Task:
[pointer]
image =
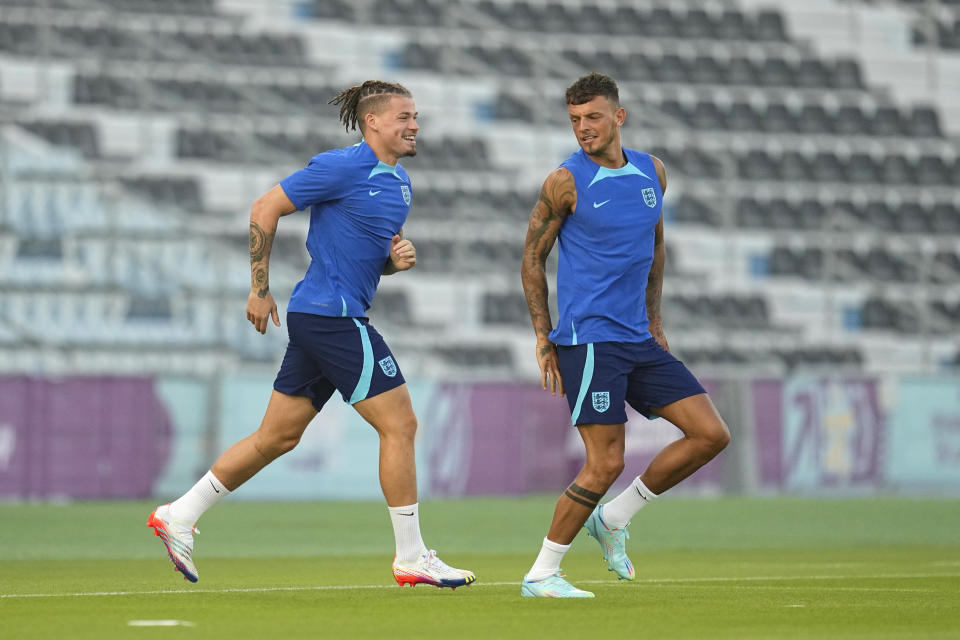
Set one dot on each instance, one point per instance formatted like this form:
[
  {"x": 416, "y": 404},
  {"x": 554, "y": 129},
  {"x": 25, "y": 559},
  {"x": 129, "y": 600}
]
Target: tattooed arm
[
  {"x": 655, "y": 279},
  {"x": 264, "y": 215},
  {"x": 558, "y": 198}
]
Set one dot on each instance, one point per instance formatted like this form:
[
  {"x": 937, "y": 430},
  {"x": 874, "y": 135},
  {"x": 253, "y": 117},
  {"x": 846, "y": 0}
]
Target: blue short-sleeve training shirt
[{"x": 357, "y": 204}]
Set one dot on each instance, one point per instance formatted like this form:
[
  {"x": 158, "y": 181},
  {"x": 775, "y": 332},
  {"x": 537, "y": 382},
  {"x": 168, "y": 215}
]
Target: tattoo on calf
[{"x": 583, "y": 496}]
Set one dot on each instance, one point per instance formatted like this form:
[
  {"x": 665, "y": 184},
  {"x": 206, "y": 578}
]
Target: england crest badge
[
  {"x": 389, "y": 366},
  {"x": 405, "y": 190},
  {"x": 601, "y": 400},
  {"x": 649, "y": 197}
]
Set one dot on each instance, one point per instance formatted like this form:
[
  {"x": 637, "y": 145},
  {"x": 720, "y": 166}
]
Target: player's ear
[
  {"x": 371, "y": 121},
  {"x": 621, "y": 116}
]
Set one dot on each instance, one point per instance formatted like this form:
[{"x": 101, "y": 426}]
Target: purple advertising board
[
  {"x": 487, "y": 439},
  {"x": 819, "y": 433},
  {"x": 82, "y": 437}
]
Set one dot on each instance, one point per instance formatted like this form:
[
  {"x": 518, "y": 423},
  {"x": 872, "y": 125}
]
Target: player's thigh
[
  {"x": 287, "y": 416},
  {"x": 603, "y": 441},
  {"x": 697, "y": 417},
  {"x": 390, "y": 412}
]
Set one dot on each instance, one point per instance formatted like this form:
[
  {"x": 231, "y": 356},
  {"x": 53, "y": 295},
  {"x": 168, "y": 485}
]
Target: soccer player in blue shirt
[
  {"x": 358, "y": 198},
  {"x": 603, "y": 205}
]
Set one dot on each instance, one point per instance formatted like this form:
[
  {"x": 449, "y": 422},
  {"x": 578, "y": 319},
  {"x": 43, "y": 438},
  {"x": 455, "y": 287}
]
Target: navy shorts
[
  {"x": 335, "y": 353},
  {"x": 600, "y": 376}
]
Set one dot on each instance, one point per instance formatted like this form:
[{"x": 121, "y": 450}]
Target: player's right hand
[
  {"x": 260, "y": 310},
  {"x": 549, "y": 368}
]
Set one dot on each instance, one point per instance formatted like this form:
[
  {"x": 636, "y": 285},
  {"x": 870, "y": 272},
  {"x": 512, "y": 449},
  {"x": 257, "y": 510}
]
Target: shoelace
[
  {"x": 566, "y": 586},
  {"x": 435, "y": 563}
]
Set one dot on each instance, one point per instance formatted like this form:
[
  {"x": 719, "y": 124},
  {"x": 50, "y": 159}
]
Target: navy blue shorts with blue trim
[
  {"x": 600, "y": 376},
  {"x": 328, "y": 353}
]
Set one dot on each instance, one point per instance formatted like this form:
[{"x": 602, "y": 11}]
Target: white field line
[{"x": 649, "y": 581}]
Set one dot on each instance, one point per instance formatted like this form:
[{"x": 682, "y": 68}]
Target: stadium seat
[
  {"x": 81, "y": 136},
  {"x": 769, "y": 26},
  {"x": 393, "y": 306},
  {"x": 924, "y": 122},
  {"x": 850, "y": 120},
  {"x": 814, "y": 119},
  {"x": 332, "y": 10},
  {"x": 505, "y": 308},
  {"x": 846, "y": 75}
]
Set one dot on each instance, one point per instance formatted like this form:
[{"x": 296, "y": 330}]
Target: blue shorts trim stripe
[
  {"x": 343, "y": 308},
  {"x": 584, "y": 383},
  {"x": 363, "y": 384}
]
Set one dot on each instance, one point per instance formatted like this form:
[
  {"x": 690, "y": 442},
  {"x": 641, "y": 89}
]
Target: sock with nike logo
[
  {"x": 190, "y": 506},
  {"x": 617, "y": 512},
  {"x": 406, "y": 530}
]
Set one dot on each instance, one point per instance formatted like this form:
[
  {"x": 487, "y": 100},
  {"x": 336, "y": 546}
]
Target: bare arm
[
  {"x": 655, "y": 279},
  {"x": 264, "y": 215},
  {"x": 558, "y": 198}
]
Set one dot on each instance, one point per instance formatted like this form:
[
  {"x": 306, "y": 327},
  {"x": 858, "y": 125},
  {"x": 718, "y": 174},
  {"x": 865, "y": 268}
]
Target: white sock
[
  {"x": 190, "y": 506},
  {"x": 406, "y": 531},
  {"x": 617, "y": 512},
  {"x": 548, "y": 561}
]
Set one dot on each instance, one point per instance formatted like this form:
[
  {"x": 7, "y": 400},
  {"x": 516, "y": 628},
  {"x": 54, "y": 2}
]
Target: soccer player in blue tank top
[
  {"x": 358, "y": 199},
  {"x": 608, "y": 348}
]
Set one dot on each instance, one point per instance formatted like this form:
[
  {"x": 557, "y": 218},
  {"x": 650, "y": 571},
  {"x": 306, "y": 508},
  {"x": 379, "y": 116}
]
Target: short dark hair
[
  {"x": 592, "y": 85},
  {"x": 369, "y": 97}
]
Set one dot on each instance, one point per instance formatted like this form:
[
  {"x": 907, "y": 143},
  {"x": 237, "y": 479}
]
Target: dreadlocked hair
[{"x": 359, "y": 100}]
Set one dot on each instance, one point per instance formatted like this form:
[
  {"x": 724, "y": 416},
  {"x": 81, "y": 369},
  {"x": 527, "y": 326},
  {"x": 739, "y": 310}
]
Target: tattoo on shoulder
[{"x": 558, "y": 194}]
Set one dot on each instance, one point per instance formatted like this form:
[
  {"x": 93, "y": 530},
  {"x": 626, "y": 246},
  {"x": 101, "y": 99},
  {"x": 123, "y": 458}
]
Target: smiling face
[
  {"x": 391, "y": 131},
  {"x": 596, "y": 124}
]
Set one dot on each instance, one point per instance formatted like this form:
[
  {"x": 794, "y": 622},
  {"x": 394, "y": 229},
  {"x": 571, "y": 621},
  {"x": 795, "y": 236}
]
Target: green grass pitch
[{"x": 736, "y": 568}]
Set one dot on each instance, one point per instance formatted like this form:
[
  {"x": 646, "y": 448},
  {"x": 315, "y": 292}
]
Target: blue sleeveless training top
[{"x": 606, "y": 249}]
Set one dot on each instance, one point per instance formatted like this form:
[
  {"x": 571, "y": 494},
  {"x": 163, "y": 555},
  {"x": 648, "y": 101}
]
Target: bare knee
[
  {"x": 714, "y": 439},
  {"x": 401, "y": 428},
  {"x": 274, "y": 445},
  {"x": 605, "y": 470}
]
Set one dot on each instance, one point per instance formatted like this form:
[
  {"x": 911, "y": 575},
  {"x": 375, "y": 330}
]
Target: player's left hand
[{"x": 403, "y": 255}]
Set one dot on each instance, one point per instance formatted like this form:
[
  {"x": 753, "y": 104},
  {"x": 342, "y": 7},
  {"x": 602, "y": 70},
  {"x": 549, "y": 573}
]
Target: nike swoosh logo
[
  {"x": 214, "y": 486},
  {"x": 597, "y": 205},
  {"x": 405, "y": 514},
  {"x": 373, "y": 193}
]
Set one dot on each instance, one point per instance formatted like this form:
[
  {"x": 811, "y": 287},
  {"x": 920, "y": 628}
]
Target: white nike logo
[
  {"x": 597, "y": 205},
  {"x": 373, "y": 193}
]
